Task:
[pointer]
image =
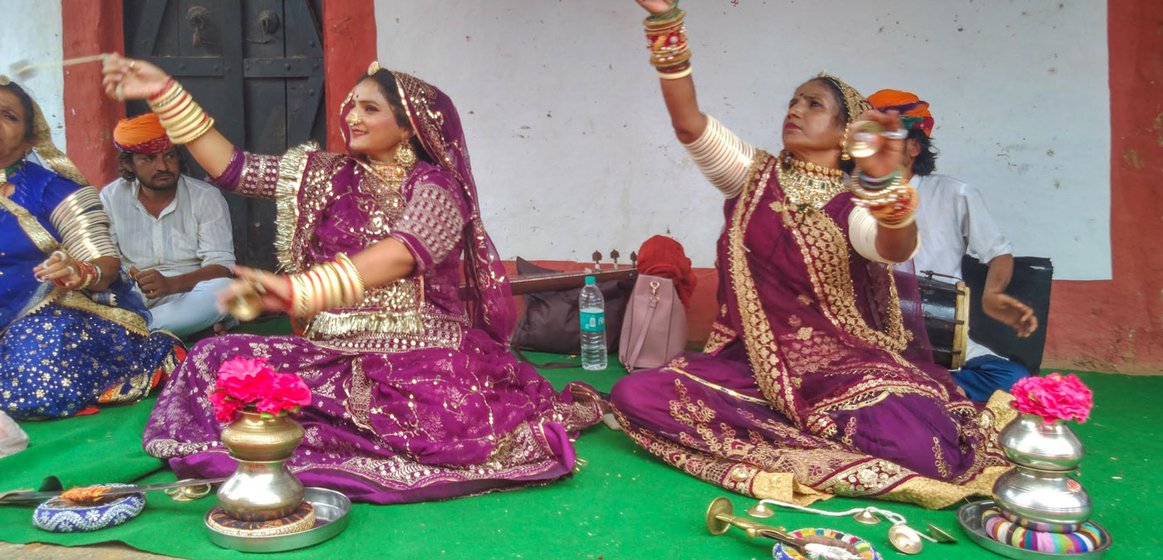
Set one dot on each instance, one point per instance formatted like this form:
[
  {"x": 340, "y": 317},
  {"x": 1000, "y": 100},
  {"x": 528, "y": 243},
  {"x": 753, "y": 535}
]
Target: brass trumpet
[{"x": 720, "y": 518}]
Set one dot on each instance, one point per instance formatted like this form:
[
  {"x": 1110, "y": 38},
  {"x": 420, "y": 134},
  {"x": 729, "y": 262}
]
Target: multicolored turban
[
  {"x": 141, "y": 135},
  {"x": 914, "y": 112}
]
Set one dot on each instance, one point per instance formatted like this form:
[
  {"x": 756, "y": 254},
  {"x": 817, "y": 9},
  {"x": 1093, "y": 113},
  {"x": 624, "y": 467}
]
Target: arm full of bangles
[
  {"x": 65, "y": 271},
  {"x": 184, "y": 120},
  {"x": 670, "y": 56},
  {"x": 337, "y": 283},
  {"x": 876, "y": 141}
]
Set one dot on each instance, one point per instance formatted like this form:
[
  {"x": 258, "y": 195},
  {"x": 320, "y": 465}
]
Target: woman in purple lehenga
[
  {"x": 808, "y": 385},
  {"x": 415, "y": 397}
]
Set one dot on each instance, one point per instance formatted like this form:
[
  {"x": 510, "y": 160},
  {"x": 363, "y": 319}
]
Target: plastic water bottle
[{"x": 593, "y": 326}]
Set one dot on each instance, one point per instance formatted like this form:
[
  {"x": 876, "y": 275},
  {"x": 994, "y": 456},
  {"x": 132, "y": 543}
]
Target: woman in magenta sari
[
  {"x": 415, "y": 396},
  {"x": 807, "y": 386}
]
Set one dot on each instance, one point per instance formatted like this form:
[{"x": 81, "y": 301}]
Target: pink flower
[
  {"x": 251, "y": 384},
  {"x": 287, "y": 394},
  {"x": 245, "y": 379},
  {"x": 1053, "y": 397},
  {"x": 225, "y": 408}
]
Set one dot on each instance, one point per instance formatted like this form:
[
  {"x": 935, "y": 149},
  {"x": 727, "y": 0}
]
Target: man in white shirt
[
  {"x": 173, "y": 231},
  {"x": 953, "y": 220}
]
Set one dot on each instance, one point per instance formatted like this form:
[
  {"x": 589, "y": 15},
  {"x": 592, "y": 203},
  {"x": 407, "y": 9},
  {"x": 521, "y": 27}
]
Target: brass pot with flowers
[{"x": 258, "y": 403}]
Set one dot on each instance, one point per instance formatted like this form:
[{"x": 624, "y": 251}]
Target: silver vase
[
  {"x": 262, "y": 488},
  {"x": 1031, "y": 442},
  {"x": 1042, "y": 500},
  {"x": 1040, "y": 493}
]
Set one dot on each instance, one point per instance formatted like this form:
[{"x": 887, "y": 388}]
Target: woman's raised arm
[
  {"x": 666, "y": 34},
  {"x": 185, "y": 121}
]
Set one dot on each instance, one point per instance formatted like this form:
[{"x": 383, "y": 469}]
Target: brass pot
[
  {"x": 262, "y": 488},
  {"x": 254, "y": 438}
]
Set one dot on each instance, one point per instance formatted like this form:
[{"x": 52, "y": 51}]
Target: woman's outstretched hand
[
  {"x": 889, "y": 147},
  {"x": 60, "y": 269},
  {"x": 655, "y": 6},
  {"x": 273, "y": 290},
  {"x": 127, "y": 78}
]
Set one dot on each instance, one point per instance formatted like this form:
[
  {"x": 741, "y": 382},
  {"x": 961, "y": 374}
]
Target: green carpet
[{"x": 622, "y": 504}]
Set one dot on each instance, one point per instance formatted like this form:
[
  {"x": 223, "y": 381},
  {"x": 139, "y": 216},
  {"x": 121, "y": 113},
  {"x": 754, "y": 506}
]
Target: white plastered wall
[
  {"x": 573, "y": 151},
  {"x": 34, "y": 34}
]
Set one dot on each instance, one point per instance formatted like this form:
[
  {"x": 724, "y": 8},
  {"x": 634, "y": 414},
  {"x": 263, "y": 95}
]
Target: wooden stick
[{"x": 24, "y": 68}]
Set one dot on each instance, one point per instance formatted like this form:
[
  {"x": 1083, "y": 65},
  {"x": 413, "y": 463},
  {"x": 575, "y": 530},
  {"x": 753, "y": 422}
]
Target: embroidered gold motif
[
  {"x": 290, "y": 179},
  {"x": 825, "y": 251},
  {"x": 762, "y": 347}
]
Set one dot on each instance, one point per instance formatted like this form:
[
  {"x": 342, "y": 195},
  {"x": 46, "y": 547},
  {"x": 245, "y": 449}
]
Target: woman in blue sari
[{"x": 72, "y": 333}]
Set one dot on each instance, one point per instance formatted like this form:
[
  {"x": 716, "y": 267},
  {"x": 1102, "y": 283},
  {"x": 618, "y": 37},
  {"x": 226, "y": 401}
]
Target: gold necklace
[
  {"x": 390, "y": 174},
  {"x": 806, "y": 184}
]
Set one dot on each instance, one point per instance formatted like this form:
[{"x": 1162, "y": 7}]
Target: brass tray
[
  {"x": 331, "y": 510},
  {"x": 969, "y": 517}
]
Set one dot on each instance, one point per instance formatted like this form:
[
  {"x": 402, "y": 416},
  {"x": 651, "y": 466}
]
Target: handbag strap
[{"x": 640, "y": 336}]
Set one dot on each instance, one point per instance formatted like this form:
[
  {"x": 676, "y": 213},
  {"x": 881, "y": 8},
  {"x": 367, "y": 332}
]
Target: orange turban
[
  {"x": 914, "y": 112},
  {"x": 141, "y": 135}
]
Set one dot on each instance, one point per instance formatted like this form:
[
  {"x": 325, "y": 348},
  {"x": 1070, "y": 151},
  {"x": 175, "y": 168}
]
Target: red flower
[
  {"x": 251, "y": 384},
  {"x": 1053, "y": 397}
]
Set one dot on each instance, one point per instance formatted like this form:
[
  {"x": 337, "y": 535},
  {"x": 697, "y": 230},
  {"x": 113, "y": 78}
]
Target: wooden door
[{"x": 256, "y": 66}]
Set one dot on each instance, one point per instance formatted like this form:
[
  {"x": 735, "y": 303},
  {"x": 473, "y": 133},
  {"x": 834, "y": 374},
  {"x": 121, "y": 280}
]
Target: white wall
[
  {"x": 34, "y": 34},
  {"x": 573, "y": 151}
]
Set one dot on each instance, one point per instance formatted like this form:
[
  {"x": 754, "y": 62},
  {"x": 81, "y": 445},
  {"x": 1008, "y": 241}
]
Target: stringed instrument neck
[{"x": 553, "y": 281}]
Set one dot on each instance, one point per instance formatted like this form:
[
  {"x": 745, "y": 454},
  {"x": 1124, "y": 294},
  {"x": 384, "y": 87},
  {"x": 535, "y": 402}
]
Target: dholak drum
[{"x": 946, "y": 309}]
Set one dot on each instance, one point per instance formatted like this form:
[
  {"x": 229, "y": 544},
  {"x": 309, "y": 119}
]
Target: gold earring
[
  {"x": 844, "y": 155},
  {"x": 405, "y": 155}
]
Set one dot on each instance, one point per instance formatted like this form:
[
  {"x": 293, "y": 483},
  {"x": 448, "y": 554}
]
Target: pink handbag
[{"x": 654, "y": 328}]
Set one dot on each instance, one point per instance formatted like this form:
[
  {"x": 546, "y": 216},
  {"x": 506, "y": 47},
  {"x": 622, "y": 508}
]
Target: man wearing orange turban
[
  {"x": 952, "y": 219},
  {"x": 173, "y": 231}
]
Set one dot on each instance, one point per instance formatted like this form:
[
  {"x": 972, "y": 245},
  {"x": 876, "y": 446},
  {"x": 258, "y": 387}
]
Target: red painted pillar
[
  {"x": 90, "y": 27},
  {"x": 1117, "y": 325},
  {"x": 349, "y": 45}
]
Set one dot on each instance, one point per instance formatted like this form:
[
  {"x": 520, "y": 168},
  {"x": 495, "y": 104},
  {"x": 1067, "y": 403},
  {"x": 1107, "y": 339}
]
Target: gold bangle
[
  {"x": 299, "y": 295},
  {"x": 200, "y": 128},
  {"x": 353, "y": 275},
  {"x": 334, "y": 295},
  {"x": 173, "y": 110},
  {"x": 200, "y": 132},
  {"x": 185, "y": 122},
  {"x": 191, "y": 130},
  {"x": 167, "y": 97}
]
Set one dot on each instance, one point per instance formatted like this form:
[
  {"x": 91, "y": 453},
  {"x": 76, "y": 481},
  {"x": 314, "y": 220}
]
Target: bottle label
[{"x": 593, "y": 321}]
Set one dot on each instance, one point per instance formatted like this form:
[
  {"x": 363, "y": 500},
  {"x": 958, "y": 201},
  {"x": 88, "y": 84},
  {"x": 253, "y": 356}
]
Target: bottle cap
[{"x": 590, "y": 280}]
